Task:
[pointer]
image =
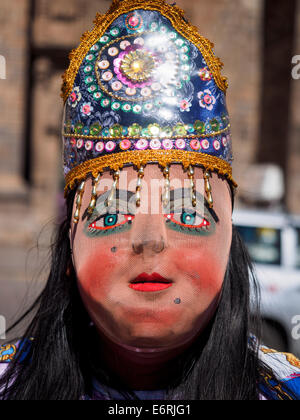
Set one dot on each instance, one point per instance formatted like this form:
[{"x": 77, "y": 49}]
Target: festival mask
[
  {"x": 144, "y": 96},
  {"x": 144, "y": 87}
]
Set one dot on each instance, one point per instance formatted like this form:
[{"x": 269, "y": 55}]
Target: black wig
[{"x": 222, "y": 365}]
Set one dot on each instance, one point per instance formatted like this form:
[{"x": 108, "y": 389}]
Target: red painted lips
[{"x": 150, "y": 283}]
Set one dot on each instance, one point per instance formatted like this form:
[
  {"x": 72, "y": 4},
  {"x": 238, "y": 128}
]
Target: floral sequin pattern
[
  {"x": 75, "y": 97},
  {"x": 143, "y": 86},
  {"x": 86, "y": 109},
  {"x": 206, "y": 99},
  {"x": 145, "y": 68},
  {"x": 142, "y": 66}
]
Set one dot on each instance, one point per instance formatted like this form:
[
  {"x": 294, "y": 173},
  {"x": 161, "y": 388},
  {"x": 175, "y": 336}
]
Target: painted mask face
[{"x": 151, "y": 277}]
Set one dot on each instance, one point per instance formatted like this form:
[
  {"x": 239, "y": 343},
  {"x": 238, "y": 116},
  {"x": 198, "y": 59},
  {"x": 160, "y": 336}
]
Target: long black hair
[{"x": 60, "y": 364}]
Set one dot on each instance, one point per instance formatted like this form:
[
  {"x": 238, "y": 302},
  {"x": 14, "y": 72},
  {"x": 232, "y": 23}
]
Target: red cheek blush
[
  {"x": 95, "y": 270},
  {"x": 205, "y": 271}
]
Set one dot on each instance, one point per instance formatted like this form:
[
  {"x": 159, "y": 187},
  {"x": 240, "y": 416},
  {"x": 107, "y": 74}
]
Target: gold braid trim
[
  {"x": 140, "y": 158},
  {"x": 173, "y": 13}
]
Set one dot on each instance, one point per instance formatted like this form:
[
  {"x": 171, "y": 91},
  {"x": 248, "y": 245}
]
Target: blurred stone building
[{"x": 256, "y": 42}]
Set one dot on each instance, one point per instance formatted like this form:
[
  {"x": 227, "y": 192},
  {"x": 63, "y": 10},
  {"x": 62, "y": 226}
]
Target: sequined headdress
[{"x": 144, "y": 87}]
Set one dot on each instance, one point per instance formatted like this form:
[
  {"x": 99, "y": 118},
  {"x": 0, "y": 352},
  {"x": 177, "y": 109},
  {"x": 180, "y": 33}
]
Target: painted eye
[
  {"x": 188, "y": 219},
  {"x": 110, "y": 221}
]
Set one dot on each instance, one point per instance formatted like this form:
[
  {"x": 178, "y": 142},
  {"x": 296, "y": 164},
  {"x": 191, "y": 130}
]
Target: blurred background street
[{"x": 257, "y": 40}]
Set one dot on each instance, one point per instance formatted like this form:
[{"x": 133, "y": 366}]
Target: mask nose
[
  {"x": 148, "y": 235},
  {"x": 156, "y": 246}
]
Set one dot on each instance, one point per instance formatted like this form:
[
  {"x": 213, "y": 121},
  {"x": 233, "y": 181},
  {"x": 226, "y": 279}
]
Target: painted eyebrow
[
  {"x": 127, "y": 195},
  {"x": 185, "y": 193},
  {"x": 123, "y": 194}
]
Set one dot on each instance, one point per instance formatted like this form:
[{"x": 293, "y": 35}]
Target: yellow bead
[
  {"x": 207, "y": 186},
  {"x": 210, "y": 200},
  {"x": 81, "y": 187},
  {"x": 76, "y": 216},
  {"x": 92, "y": 205},
  {"x": 78, "y": 200}
]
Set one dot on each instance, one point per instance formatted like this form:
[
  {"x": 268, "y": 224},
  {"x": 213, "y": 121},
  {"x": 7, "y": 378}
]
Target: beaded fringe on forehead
[{"x": 165, "y": 196}]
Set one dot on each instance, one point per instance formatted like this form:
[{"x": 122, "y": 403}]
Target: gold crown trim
[
  {"x": 173, "y": 13},
  {"x": 140, "y": 158}
]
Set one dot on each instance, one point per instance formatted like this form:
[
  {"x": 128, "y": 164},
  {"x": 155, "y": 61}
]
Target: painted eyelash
[
  {"x": 204, "y": 226},
  {"x": 93, "y": 226}
]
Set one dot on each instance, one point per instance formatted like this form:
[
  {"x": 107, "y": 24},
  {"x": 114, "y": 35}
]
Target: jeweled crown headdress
[{"x": 144, "y": 87}]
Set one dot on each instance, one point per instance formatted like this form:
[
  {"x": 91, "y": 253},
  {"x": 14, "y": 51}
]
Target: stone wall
[{"x": 294, "y": 135}]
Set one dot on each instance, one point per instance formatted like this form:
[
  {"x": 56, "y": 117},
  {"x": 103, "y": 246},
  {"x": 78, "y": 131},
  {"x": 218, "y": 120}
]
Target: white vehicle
[{"x": 273, "y": 241}]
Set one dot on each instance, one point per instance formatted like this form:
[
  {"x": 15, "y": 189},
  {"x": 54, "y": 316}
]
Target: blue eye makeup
[
  {"x": 106, "y": 221},
  {"x": 188, "y": 220},
  {"x": 109, "y": 223},
  {"x": 118, "y": 219}
]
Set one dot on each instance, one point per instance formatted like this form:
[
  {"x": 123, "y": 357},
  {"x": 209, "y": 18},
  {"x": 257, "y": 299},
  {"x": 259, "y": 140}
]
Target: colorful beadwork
[{"x": 143, "y": 80}]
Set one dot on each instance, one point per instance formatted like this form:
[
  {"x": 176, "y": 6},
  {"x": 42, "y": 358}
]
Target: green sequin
[
  {"x": 88, "y": 80},
  {"x": 97, "y": 96},
  {"x": 90, "y": 57},
  {"x": 180, "y": 130},
  {"x": 199, "y": 126},
  {"x": 79, "y": 128},
  {"x": 105, "y": 102},
  {"x": 134, "y": 130},
  {"x": 116, "y": 106},
  {"x": 115, "y": 31},
  {"x": 215, "y": 125},
  {"x": 137, "y": 109},
  {"x": 104, "y": 39},
  {"x": 88, "y": 69},
  {"x": 116, "y": 130},
  {"x": 145, "y": 132},
  {"x": 95, "y": 129},
  {"x": 92, "y": 88},
  {"x": 126, "y": 107}
]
